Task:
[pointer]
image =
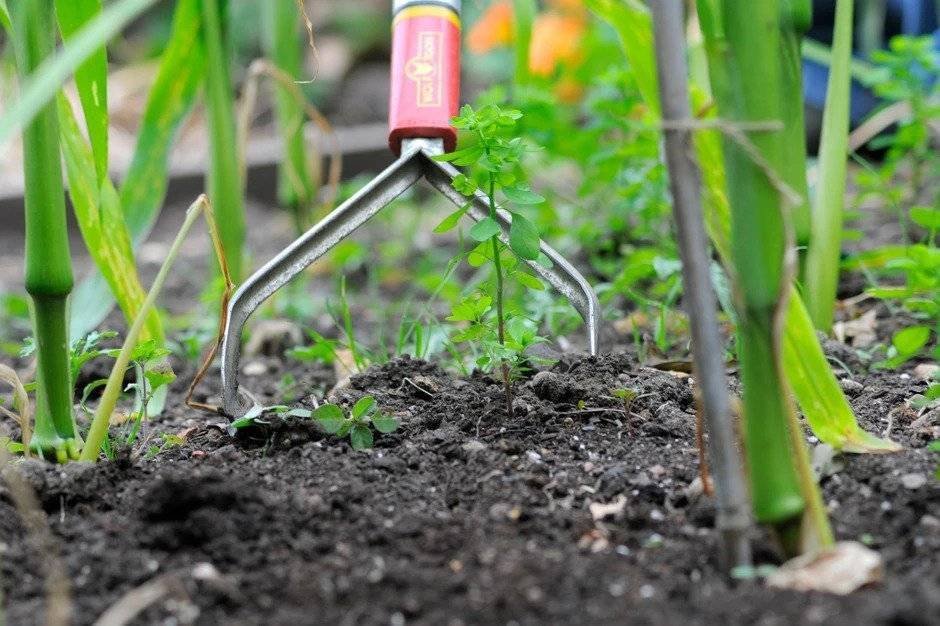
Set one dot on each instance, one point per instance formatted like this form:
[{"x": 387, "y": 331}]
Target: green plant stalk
[
  {"x": 822, "y": 261},
  {"x": 498, "y": 287},
  {"x": 112, "y": 390},
  {"x": 297, "y": 187},
  {"x": 796, "y": 17},
  {"x": 48, "y": 264},
  {"x": 224, "y": 179},
  {"x": 751, "y": 92}
]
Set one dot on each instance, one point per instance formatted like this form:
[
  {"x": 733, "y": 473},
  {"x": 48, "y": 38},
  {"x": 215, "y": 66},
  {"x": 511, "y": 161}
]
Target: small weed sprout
[
  {"x": 356, "y": 425},
  {"x": 493, "y": 154},
  {"x": 628, "y": 396}
]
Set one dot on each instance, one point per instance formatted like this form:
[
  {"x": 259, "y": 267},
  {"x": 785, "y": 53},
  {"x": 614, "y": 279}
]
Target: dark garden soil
[{"x": 464, "y": 515}]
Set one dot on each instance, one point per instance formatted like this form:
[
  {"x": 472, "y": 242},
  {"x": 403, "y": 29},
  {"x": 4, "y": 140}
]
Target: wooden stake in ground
[{"x": 733, "y": 518}]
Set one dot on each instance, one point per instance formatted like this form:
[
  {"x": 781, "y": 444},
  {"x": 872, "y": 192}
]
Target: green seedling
[
  {"x": 627, "y": 396},
  {"x": 493, "y": 154},
  {"x": 358, "y": 424}
]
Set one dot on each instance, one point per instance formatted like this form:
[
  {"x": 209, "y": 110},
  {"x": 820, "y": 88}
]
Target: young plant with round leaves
[
  {"x": 492, "y": 153},
  {"x": 358, "y": 424}
]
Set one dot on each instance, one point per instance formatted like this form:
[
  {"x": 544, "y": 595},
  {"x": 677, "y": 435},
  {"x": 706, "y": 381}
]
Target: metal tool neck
[{"x": 431, "y": 146}]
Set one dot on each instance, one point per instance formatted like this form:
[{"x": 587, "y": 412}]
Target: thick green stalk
[
  {"x": 796, "y": 16},
  {"x": 48, "y": 264},
  {"x": 750, "y": 91},
  {"x": 296, "y": 186},
  {"x": 822, "y": 262},
  {"x": 224, "y": 179}
]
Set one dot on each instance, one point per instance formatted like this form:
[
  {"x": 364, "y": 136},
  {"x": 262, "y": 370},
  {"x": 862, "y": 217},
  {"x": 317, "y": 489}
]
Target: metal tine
[
  {"x": 296, "y": 257},
  {"x": 416, "y": 161}
]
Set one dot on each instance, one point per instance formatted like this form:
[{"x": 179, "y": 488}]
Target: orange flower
[
  {"x": 556, "y": 40},
  {"x": 493, "y": 29}
]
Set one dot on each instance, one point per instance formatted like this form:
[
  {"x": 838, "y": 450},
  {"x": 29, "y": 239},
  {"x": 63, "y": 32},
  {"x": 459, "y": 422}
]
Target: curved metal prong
[
  {"x": 563, "y": 276},
  {"x": 316, "y": 242}
]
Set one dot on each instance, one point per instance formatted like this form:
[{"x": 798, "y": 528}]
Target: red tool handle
[{"x": 425, "y": 85}]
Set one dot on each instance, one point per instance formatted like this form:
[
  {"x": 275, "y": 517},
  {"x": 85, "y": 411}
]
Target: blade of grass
[
  {"x": 822, "y": 262},
  {"x": 48, "y": 78},
  {"x": 297, "y": 180},
  {"x": 181, "y": 72},
  {"x": 91, "y": 77},
  {"x": 225, "y": 183},
  {"x": 102, "y": 224},
  {"x": 112, "y": 391}
]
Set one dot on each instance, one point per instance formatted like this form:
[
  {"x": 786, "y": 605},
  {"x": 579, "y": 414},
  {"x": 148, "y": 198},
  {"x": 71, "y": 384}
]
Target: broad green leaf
[
  {"x": 925, "y": 216},
  {"x": 816, "y": 388},
  {"x": 362, "y": 406},
  {"x": 102, "y": 224},
  {"x": 181, "y": 71},
  {"x": 464, "y": 184},
  {"x": 484, "y": 229},
  {"x": 385, "y": 423},
  {"x": 224, "y": 178},
  {"x": 361, "y": 437},
  {"x": 330, "y": 417},
  {"x": 874, "y": 259},
  {"x": 451, "y": 221},
  {"x": 909, "y": 341},
  {"x": 41, "y": 86},
  {"x": 528, "y": 280},
  {"x": 522, "y": 195},
  {"x": 634, "y": 26},
  {"x": 91, "y": 77},
  {"x": 524, "y": 238},
  {"x": 142, "y": 192}
]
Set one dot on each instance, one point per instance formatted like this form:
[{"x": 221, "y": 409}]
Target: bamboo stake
[{"x": 733, "y": 518}]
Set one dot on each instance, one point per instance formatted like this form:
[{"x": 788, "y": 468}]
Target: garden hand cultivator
[{"x": 424, "y": 96}]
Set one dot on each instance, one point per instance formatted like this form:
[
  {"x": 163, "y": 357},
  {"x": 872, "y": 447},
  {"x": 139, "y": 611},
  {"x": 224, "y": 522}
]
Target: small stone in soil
[{"x": 913, "y": 481}]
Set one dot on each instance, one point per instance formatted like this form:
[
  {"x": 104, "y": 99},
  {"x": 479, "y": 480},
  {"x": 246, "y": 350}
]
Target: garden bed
[{"x": 464, "y": 515}]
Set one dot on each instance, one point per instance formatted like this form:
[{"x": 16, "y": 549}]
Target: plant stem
[
  {"x": 48, "y": 263},
  {"x": 224, "y": 179},
  {"x": 733, "y": 519},
  {"x": 112, "y": 390},
  {"x": 500, "y": 319},
  {"x": 822, "y": 262},
  {"x": 749, "y": 88}
]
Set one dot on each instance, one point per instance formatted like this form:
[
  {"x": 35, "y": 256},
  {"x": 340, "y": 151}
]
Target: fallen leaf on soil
[
  {"x": 860, "y": 330},
  {"x": 600, "y": 511},
  {"x": 841, "y": 570}
]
